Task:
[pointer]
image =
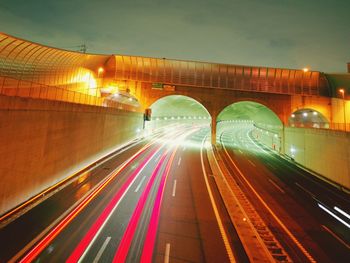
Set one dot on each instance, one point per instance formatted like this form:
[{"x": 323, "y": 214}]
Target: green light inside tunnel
[
  {"x": 250, "y": 116},
  {"x": 251, "y": 111},
  {"x": 178, "y": 109}
]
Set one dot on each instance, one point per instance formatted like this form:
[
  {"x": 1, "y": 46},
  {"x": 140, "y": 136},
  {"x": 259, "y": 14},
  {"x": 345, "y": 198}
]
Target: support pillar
[{"x": 213, "y": 130}]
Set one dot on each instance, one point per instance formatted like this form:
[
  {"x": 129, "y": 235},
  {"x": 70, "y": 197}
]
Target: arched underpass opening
[
  {"x": 308, "y": 118},
  {"x": 177, "y": 111},
  {"x": 241, "y": 123}
]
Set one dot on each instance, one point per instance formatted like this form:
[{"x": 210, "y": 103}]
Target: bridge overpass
[{"x": 62, "y": 110}]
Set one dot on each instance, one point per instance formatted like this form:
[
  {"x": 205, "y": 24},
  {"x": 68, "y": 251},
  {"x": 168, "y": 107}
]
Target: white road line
[
  {"x": 335, "y": 236},
  {"x": 215, "y": 209},
  {"x": 115, "y": 207},
  {"x": 240, "y": 151},
  {"x": 167, "y": 253},
  {"x": 139, "y": 185},
  {"x": 305, "y": 190},
  {"x": 251, "y": 163},
  {"x": 174, "y": 188},
  {"x": 277, "y": 186},
  {"x": 100, "y": 252},
  {"x": 296, "y": 241},
  {"x": 178, "y": 163},
  {"x": 157, "y": 159}
]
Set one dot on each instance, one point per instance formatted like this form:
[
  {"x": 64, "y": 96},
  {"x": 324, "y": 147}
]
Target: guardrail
[{"x": 28, "y": 89}]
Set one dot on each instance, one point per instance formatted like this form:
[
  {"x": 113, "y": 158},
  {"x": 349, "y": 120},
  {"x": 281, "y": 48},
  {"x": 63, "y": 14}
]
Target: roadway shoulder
[{"x": 252, "y": 243}]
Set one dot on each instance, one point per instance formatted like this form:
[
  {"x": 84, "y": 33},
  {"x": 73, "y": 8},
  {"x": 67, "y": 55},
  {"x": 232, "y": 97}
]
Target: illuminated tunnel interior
[
  {"x": 308, "y": 118},
  {"x": 248, "y": 115},
  {"x": 177, "y": 110}
]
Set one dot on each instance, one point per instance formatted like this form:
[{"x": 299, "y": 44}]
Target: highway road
[
  {"x": 155, "y": 201},
  {"x": 315, "y": 214}
]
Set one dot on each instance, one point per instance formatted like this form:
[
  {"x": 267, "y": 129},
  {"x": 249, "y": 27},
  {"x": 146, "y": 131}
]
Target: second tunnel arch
[{"x": 262, "y": 117}]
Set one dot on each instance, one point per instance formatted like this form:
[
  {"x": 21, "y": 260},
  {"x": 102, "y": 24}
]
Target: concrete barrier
[
  {"x": 42, "y": 142},
  {"x": 326, "y": 152}
]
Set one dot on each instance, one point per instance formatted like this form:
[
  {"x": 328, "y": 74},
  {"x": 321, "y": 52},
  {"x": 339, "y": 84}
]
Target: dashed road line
[
  {"x": 251, "y": 163},
  {"x": 179, "y": 161},
  {"x": 100, "y": 252},
  {"x": 305, "y": 190},
  {"x": 288, "y": 232},
  {"x": 139, "y": 185},
  {"x": 167, "y": 253},
  {"x": 174, "y": 188},
  {"x": 277, "y": 186}
]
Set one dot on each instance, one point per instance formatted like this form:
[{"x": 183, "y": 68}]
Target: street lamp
[
  {"x": 342, "y": 92},
  {"x": 100, "y": 72}
]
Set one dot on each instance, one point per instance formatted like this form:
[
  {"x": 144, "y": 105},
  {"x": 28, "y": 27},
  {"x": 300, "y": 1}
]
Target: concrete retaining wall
[
  {"x": 42, "y": 142},
  {"x": 326, "y": 152}
]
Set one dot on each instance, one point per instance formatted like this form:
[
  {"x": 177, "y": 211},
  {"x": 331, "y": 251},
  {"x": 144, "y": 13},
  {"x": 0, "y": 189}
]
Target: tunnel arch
[
  {"x": 152, "y": 100},
  {"x": 258, "y": 105},
  {"x": 263, "y": 122},
  {"x": 308, "y": 118},
  {"x": 277, "y": 112},
  {"x": 177, "y": 109},
  {"x": 181, "y": 104}
]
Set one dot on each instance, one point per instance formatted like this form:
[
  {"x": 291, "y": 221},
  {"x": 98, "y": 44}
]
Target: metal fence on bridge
[{"x": 223, "y": 76}]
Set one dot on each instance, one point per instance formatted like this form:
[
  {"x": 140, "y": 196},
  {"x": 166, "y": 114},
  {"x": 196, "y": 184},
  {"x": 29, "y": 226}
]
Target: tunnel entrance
[
  {"x": 308, "y": 118},
  {"x": 177, "y": 110},
  {"x": 261, "y": 122}
]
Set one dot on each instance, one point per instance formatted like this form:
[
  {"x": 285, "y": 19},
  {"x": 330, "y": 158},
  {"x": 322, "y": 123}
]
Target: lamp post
[{"x": 342, "y": 92}]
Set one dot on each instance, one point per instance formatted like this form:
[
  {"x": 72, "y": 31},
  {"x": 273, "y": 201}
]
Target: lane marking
[
  {"x": 174, "y": 188},
  {"x": 150, "y": 239},
  {"x": 178, "y": 163},
  {"x": 342, "y": 212},
  {"x": 292, "y": 237},
  {"x": 167, "y": 253},
  {"x": 305, "y": 190},
  {"x": 240, "y": 151},
  {"x": 277, "y": 186},
  {"x": 332, "y": 214},
  {"x": 39, "y": 247},
  {"x": 251, "y": 163},
  {"x": 271, "y": 166},
  {"x": 90, "y": 237},
  {"x": 216, "y": 211},
  {"x": 141, "y": 182},
  {"x": 125, "y": 242},
  {"x": 157, "y": 159},
  {"x": 335, "y": 236},
  {"x": 100, "y": 252}
]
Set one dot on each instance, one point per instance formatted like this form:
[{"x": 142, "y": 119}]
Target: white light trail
[{"x": 334, "y": 215}]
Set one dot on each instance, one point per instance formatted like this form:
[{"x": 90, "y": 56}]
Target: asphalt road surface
[
  {"x": 148, "y": 203},
  {"x": 307, "y": 206}
]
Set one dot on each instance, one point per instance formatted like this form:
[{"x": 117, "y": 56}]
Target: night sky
[{"x": 276, "y": 33}]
